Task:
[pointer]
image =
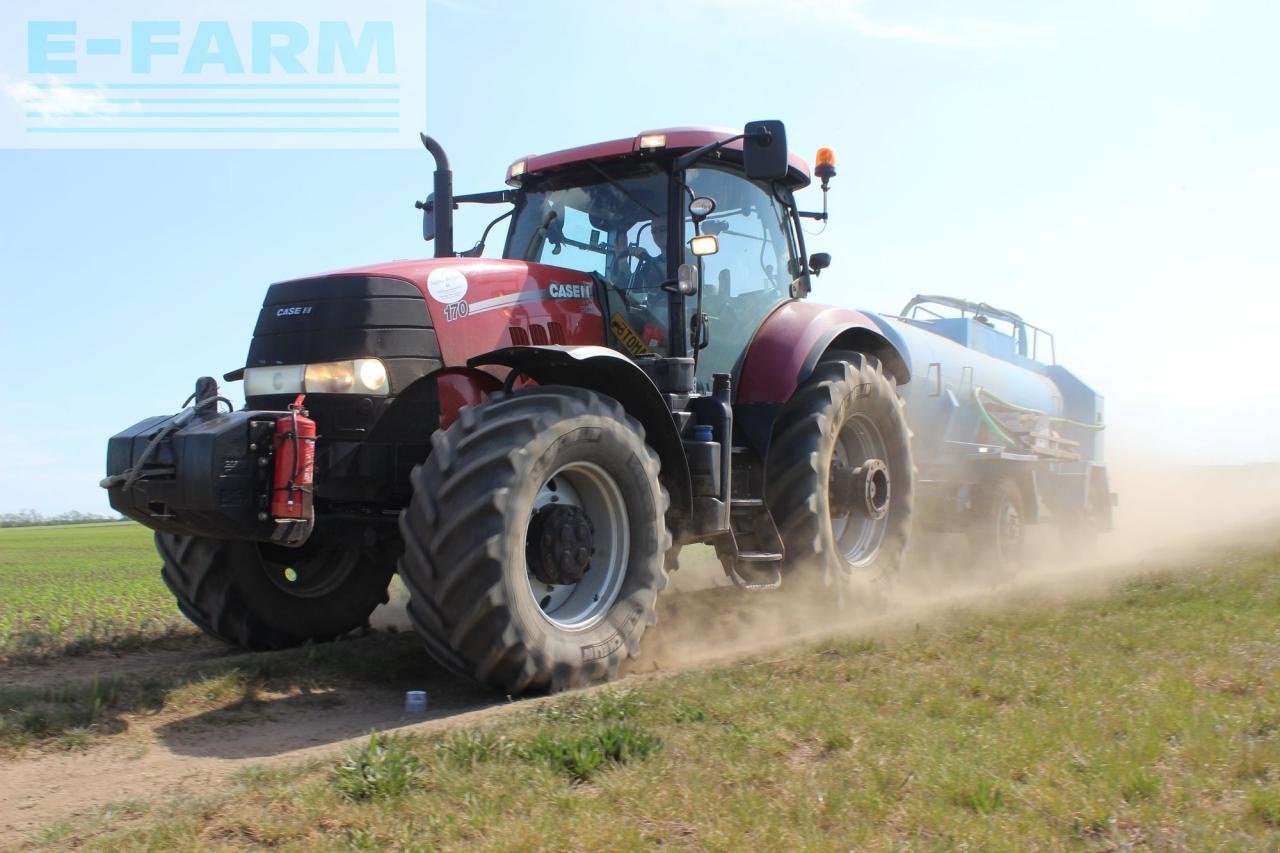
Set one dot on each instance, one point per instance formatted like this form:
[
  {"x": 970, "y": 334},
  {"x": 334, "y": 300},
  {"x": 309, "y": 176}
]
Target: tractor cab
[{"x": 690, "y": 240}]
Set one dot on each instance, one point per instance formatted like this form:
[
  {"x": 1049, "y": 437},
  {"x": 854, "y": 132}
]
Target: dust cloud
[{"x": 1167, "y": 516}]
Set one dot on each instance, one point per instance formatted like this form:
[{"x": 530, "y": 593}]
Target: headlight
[
  {"x": 261, "y": 381},
  {"x": 372, "y": 375},
  {"x": 358, "y": 376},
  {"x": 335, "y": 377}
]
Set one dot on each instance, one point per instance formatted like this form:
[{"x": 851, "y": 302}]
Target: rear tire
[
  {"x": 847, "y": 412},
  {"x": 263, "y": 597},
  {"x": 472, "y": 534}
]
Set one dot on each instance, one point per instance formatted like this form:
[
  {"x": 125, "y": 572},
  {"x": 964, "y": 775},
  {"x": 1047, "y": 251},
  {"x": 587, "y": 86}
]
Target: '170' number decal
[{"x": 455, "y": 310}]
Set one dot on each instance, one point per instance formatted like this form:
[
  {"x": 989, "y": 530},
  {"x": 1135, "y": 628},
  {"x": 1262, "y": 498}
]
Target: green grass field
[
  {"x": 1148, "y": 715},
  {"x": 74, "y": 588}
]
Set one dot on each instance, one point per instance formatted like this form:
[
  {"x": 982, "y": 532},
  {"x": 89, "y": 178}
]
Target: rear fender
[
  {"x": 607, "y": 372},
  {"x": 795, "y": 337},
  {"x": 786, "y": 350}
]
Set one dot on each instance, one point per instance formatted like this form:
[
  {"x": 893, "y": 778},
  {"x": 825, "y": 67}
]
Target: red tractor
[{"x": 529, "y": 441}]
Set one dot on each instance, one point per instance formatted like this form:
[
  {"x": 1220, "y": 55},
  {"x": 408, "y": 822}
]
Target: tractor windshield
[{"x": 607, "y": 220}]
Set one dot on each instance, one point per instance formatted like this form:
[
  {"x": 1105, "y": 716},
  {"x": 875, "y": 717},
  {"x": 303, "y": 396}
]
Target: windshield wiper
[{"x": 538, "y": 234}]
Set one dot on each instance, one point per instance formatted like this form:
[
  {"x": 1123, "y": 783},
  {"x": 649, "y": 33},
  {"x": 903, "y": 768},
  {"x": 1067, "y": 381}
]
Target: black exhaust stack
[{"x": 441, "y": 202}]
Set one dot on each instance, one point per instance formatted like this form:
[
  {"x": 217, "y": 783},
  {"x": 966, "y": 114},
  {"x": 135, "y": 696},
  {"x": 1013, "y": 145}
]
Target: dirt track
[
  {"x": 174, "y": 754},
  {"x": 156, "y": 756}
]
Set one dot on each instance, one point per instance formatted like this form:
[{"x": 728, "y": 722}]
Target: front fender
[{"x": 607, "y": 372}]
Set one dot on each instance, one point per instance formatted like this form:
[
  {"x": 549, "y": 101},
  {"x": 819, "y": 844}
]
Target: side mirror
[
  {"x": 707, "y": 244},
  {"x": 819, "y": 261},
  {"x": 701, "y": 207},
  {"x": 428, "y": 217},
  {"x": 687, "y": 279},
  {"x": 764, "y": 149}
]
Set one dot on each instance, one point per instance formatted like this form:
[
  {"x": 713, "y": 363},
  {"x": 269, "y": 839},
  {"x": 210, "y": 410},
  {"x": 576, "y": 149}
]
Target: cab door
[{"x": 750, "y": 275}]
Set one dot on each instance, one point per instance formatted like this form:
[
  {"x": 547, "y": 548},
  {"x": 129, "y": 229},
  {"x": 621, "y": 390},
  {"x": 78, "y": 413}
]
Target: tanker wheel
[
  {"x": 535, "y": 541},
  {"x": 997, "y": 533},
  {"x": 260, "y": 596},
  {"x": 839, "y": 475}
]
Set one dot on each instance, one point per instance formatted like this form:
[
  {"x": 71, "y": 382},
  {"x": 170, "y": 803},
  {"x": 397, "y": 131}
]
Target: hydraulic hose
[
  {"x": 979, "y": 392},
  {"x": 993, "y": 423}
]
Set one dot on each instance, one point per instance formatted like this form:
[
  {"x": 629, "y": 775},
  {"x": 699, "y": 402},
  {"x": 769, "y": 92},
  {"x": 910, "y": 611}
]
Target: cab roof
[{"x": 673, "y": 139}]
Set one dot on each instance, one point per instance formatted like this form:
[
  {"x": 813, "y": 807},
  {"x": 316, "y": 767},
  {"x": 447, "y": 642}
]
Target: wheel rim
[
  {"x": 308, "y": 573},
  {"x": 858, "y": 538},
  {"x": 579, "y": 606}
]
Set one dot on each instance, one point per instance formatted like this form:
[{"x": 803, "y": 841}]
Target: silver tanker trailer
[{"x": 1004, "y": 436}]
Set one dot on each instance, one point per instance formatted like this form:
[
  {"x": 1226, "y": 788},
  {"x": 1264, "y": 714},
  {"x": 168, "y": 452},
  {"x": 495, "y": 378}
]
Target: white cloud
[{"x": 58, "y": 99}]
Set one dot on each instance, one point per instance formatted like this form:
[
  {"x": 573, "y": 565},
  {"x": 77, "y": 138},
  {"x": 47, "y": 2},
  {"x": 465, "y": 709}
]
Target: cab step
[{"x": 759, "y": 581}]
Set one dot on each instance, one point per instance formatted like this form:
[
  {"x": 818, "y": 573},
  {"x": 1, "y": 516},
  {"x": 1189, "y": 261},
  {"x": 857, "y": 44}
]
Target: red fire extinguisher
[{"x": 295, "y": 451}]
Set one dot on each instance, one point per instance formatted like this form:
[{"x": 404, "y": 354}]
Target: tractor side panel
[{"x": 480, "y": 306}]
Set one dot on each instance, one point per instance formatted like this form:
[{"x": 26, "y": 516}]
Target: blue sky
[{"x": 1107, "y": 169}]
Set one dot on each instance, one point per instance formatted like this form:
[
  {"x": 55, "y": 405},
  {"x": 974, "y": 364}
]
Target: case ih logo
[
  {"x": 569, "y": 291},
  {"x": 177, "y": 74},
  {"x": 293, "y": 311}
]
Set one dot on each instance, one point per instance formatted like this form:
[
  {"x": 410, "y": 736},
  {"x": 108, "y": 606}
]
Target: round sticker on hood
[{"x": 447, "y": 285}]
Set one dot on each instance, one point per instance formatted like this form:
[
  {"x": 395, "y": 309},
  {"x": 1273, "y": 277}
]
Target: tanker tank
[{"x": 987, "y": 403}]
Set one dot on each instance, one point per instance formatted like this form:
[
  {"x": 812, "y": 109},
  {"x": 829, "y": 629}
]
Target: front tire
[
  {"x": 262, "y": 597},
  {"x": 535, "y": 541},
  {"x": 847, "y": 414}
]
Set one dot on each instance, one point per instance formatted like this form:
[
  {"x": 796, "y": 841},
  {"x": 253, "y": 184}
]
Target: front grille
[
  {"x": 338, "y": 317},
  {"x": 537, "y": 334}
]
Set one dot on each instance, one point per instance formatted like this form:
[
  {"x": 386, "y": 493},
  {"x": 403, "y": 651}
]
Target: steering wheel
[{"x": 642, "y": 273}]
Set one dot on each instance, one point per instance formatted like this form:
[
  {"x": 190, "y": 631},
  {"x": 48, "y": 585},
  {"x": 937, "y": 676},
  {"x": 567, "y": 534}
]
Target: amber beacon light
[{"x": 825, "y": 165}]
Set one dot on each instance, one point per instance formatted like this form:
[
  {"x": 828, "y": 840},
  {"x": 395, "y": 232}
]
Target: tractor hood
[{"x": 423, "y": 314}]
